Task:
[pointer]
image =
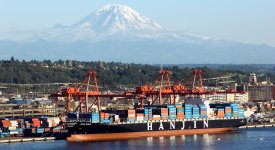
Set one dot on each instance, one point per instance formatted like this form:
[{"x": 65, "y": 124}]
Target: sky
[{"x": 248, "y": 21}]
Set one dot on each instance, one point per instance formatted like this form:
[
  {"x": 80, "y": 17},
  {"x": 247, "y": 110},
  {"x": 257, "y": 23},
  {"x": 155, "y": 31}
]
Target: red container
[
  {"x": 131, "y": 111},
  {"x": 102, "y": 115},
  {"x": 33, "y": 130},
  {"x": 47, "y": 129},
  {"x": 139, "y": 114},
  {"x": 54, "y": 124},
  {"x": 6, "y": 123},
  {"x": 106, "y": 115},
  {"x": 56, "y": 130}
]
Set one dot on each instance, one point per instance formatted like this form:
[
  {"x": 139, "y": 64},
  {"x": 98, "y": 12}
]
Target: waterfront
[{"x": 260, "y": 138}]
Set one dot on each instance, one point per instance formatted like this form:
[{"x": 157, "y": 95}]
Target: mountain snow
[
  {"x": 117, "y": 18},
  {"x": 112, "y": 21}
]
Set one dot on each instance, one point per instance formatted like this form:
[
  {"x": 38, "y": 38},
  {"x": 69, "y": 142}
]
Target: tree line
[{"x": 110, "y": 74}]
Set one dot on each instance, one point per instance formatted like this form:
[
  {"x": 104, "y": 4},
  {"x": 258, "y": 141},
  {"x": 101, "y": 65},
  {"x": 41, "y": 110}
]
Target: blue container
[
  {"x": 105, "y": 120},
  {"x": 39, "y": 130},
  {"x": 173, "y": 118},
  {"x": 204, "y": 116},
  {"x": 196, "y": 116},
  {"x": 172, "y": 110},
  {"x": 227, "y": 115},
  {"x": 188, "y": 117},
  {"x": 171, "y": 106},
  {"x": 235, "y": 114},
  {"x": 131, "y": 119}
]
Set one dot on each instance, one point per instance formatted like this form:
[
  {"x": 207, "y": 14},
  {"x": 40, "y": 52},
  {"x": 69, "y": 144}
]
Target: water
[{"x": 242, "y": 139}]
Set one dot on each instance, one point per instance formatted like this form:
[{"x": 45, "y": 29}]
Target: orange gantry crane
[
  {"x": 160, "y": 91},
  {"x": 82, "y": 91}
]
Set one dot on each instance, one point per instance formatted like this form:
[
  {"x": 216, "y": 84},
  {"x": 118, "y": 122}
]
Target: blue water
[{"x": 250, "y": 139}]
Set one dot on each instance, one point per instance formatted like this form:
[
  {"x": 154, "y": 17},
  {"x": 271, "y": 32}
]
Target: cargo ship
[{"x": 154, "y": 121}]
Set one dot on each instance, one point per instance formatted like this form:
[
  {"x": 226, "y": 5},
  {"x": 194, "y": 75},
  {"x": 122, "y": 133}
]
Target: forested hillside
[{"x": 110, "y": 74}]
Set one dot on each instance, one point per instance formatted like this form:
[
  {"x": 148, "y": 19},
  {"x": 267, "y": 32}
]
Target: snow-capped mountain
[
  {"x": 118, "y": 33},
  {"x": 111, "y": 21},
  {"x": 117, "y": 18}
]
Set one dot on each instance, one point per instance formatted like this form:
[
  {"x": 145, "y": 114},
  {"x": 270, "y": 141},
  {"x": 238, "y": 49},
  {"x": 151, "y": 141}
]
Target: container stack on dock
[
  {"x": 27, "y": 126},
  {"x": 49, "y": 121}
]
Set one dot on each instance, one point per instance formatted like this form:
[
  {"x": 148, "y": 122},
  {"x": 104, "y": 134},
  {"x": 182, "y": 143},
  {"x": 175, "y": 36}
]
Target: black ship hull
[{"x": 85, "y": 131}]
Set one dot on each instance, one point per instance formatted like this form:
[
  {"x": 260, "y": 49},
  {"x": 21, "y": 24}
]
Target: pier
[
  {"x": 258, "y": 126},
  {"x": 25, "y": 139}
]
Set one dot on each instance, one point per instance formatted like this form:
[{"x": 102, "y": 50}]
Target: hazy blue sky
[{"x": 251, "y": 21}]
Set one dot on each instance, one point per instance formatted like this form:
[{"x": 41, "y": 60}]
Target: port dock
[
  {"x": 258, "y": 126},
  {"x": 25, "y": 139}
]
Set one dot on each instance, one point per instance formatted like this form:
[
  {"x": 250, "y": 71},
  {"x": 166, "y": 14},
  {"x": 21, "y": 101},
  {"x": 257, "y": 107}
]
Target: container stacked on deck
[
  {"x": 102, "y": 114},
  {"x": 13, "y": 125},
  {"x": 51, "y": 121},
  {"x": 172, "y": 112},
  {"x": 104, "y": 117},
  {"x": 21, "y": 123},
  {"x": 203, "y": 111},
  {"x": 188, "y": 111},
  {"x": 178, "y": 105},
  {"x": 139, "y": 117},
  {"x": 5, "y": 123},
  {"x": 148, "y": 113},
  {"x": 27, "y": 124},
  {"x": 131, "y": 115},
  {"x": 241, "y": 113},
  {"x": 220, "y": 113},
  {"x": 196, "y": 112},
  {"x": 95, "y": 118},
  {"x": 36, "y": 122},
  {"x": 156, "y": 117},
  {"x": 180, "y": 113},
  {"x": 228, "y": 112},
  {"x": 235, "y": 110},
  {"x": 40, "y": 130},
  {"x": 56, "y": 129},
  {"x": 117, "y": 120},
  {"x": 164, "y": 113}
]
